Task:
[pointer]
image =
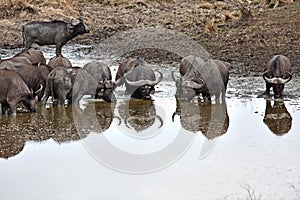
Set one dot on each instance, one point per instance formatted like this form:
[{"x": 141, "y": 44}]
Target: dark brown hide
[
  {"x": 34, "y": 76},
  {"x": 59, "y": 62},
  {"x": 13, "y": 91},
  {"x": 15, "y": 61},
  {"x": 35, "y": 56}
]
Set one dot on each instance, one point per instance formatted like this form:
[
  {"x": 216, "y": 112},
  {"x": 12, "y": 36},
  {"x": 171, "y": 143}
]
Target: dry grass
[
  {"x": 28, "y": 8},
  {"x": 232, "y": 30}
]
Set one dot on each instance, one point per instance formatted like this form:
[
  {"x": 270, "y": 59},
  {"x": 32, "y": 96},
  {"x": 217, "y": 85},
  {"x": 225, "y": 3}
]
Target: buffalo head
[
  {"x": 105, "y": 91},
  {"x": 30, "y": 100},
  {"x": 78, "y": 27},
  {"x": 138, "y": 76},
  {"x": 143, "y": 88}
]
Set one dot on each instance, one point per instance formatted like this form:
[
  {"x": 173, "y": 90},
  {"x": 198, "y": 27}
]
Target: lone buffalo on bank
[{"x": 56, "y": 33}]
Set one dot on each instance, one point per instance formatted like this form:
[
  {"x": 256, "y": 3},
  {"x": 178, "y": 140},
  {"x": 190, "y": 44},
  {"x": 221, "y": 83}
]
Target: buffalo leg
[
  {"x": 27, "y": 43},
  {"x": 206, "y": 96},
  {"x": 58, "y": 49},
  {"x": 13, "y": 108},
  {"x": 220, "y": 98},
  {"x": 45, "y": 97},
  {"x": 268, "y": 87},
  {"x": 282, "y": 91},
  {"x": 5, "y": 108},
  {"x": 61, "y": 100},
  {"x": 77, "y": 97},
  {"x": 223, "y": 96}
]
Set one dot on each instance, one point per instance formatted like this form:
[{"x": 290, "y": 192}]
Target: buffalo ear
[
  {"x": 70, "y": 25},
  {"x": 75, "y": 23}
]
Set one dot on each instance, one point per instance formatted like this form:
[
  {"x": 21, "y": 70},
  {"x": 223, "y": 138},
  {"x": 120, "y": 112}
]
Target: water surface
[{"x": 254, "y": 146}]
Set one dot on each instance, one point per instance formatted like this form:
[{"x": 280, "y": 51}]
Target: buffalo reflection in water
[
  {"x": 139, "y": 114},
  {"x": 277, "y": 117},
  {"x": 211, "y": 119},
  {"x": 96, "y": 116},
  {"x": 57, "y": 122}
]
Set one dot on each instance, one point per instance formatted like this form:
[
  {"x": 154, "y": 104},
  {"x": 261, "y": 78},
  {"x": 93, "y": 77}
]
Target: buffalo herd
[{"x": 27, "y": 78}]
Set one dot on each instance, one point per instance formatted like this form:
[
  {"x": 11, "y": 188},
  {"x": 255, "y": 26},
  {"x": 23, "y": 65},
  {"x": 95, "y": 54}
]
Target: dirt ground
[{"x": 245, "y": 34}]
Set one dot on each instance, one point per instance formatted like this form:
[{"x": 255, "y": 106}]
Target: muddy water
[{"x": 249, "y": 147}]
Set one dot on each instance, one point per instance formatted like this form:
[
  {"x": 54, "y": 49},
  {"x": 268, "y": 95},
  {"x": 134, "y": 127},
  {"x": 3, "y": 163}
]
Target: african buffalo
[
  {"x": 211, "y": 119},
  {"x": 59, "y": 61},
  {"x": 13, "y": 91},
  {"x": 33, "y": 75},
  {"x": 35, "y": 56},
  {"x": 138, "y": 77},
  {"x": 277, "y": 73},
  {"x": 102, "y": 74},
  {"x": 208, "y": 78},
  {"x": 70, "y": 83},
  {"x": 84, "y": 84},
  {"x": 277, "y": 118},
  {"x": 50, "y": 33},
  {"x": 59, "y": 85}
]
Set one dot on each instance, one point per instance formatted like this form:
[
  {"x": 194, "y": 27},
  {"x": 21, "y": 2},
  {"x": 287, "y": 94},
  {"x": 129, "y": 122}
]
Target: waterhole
[{"x": 246, "y": 146}]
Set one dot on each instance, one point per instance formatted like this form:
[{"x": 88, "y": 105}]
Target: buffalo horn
[
  {"x": 192, "y": 84},
  {"x": 144, "y": 82},
  {"x": 38, "y": 91},
  {"x": 276, "y": 80}
]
